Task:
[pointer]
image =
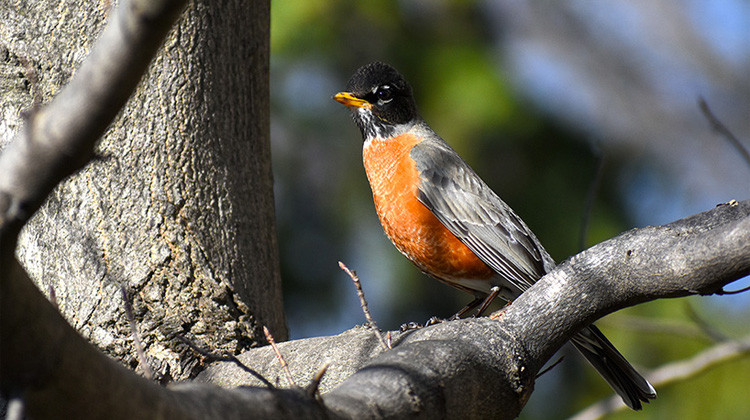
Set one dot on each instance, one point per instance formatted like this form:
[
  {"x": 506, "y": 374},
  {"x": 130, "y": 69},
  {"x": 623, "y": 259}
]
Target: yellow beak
[{"x": 346, "y": 98}]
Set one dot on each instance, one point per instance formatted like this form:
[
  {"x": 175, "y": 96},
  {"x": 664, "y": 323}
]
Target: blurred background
[{"x": 548, "y": 102}]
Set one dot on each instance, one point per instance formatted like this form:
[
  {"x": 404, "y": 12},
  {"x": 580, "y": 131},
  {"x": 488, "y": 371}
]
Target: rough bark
[{"x": 178, "y": 204}]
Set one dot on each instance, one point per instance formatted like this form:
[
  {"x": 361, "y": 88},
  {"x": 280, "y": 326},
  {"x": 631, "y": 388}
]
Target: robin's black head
[{"x": 381, "y": 100}]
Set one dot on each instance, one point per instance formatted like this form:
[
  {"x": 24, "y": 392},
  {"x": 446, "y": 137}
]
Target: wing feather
[{"x": 477, "y": 216}]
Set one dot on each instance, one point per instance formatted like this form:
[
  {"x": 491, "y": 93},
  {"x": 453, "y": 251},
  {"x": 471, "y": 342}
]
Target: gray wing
[{"x": 477, "y": 216}]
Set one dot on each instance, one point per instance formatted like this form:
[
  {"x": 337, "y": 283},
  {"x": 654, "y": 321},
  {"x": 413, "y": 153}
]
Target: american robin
[{"x": 446, "y": 220}]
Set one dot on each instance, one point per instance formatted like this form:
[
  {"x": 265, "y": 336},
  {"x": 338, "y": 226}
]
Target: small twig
[
  {"x": 360, "y": 292},
  {"x": 701, "y": 362},
  {"x": 722, "y": 129},
  {"x": 363, "y": 304},
  {"x": 313, "y": 389},
  {"x": 589, "y": 205},
  {"x": 279, "y": 357},
  {"x": 142, "y": 357},
  {"x": 674, "y": 372},
  {"x": 547, "y": 369},
  {"x": 641, "y": 324},
  {"x": 704, "y": 325},
  {"x": 212, "y": 357}
]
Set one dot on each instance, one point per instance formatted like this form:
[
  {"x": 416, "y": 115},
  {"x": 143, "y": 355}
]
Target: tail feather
[{"x": 613, "y": 367}]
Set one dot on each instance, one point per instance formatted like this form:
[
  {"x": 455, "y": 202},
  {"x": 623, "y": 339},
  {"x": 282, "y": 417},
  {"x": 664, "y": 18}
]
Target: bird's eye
[{"x": 384, "y": 93}]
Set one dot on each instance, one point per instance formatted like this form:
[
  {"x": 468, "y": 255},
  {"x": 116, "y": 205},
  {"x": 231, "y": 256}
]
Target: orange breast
[{"x": 411, "y": 226}]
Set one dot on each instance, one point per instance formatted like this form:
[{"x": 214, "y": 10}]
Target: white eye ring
[{"x": 383, "y": 93}]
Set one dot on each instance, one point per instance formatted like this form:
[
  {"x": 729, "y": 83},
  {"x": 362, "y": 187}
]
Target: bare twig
[
  {"x": 675, "y": 372},
  {"x": 279, "y": 356},
  {"x": 314, "y": 387},
  {"x": 661, "y": 326},
  {"x": 212, "y": 357},
  {"x": 363, "y": 304},
  {"x": 142, "y": 358},
  {"x": 550, "y": 367},
  {"x": 589, "y": 205},
  {"x": 722, "y": 129},
  {"x": 360, "y": 292},
  {"x": 700, "y": 363},
  {"x": 704, "y": 325}
]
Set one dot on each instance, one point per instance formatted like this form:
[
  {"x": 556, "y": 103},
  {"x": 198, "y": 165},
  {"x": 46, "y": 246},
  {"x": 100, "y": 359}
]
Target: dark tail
[{"x": 613, "y": 367}]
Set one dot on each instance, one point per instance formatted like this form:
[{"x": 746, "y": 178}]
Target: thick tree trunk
[{"x": 178, "y": 208}]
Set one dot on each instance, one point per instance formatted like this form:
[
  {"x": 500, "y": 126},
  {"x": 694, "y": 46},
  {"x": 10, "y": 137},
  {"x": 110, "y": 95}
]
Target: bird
[{"x": 444, "y": 218}]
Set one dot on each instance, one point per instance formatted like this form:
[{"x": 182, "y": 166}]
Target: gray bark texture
[{"x": 177, "y": 205}]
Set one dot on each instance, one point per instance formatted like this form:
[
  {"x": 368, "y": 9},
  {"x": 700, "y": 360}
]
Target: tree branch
[
  {"x": 695, "y": 255},
  {"x": 723, "y": 130},
  {"x": 441, "y": 370},
  {"x": 58, "y": 139}
]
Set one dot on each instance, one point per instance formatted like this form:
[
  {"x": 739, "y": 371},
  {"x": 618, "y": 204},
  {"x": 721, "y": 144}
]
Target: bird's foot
[
  {"x": 416, "y": 325},
  {"x": 497, "y": 314},
  {"x": 410, "y": 326},
  {"x": 434, "y": 320}
]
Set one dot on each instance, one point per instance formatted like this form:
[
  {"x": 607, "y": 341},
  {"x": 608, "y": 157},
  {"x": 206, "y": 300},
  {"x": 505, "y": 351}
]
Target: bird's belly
[{"x": 411, "y": 226}]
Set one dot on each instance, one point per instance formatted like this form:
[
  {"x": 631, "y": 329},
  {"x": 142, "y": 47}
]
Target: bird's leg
[
  {"x": 410, "y": 326},
  {"x": 494, "y": 291},
  {"x": 471, "y": 305},
  {"x": 416, "y": 325},
  {"x": 485, "y": 301}
]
